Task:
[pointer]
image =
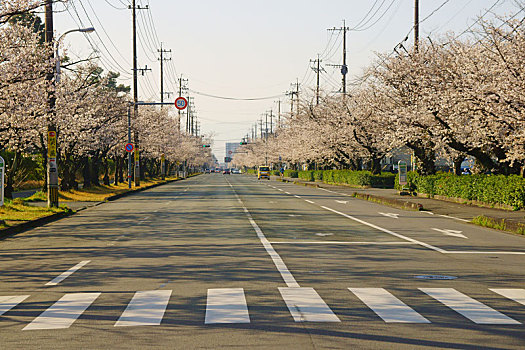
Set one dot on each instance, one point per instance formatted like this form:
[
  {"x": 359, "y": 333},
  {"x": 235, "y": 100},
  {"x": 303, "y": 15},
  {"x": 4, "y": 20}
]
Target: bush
[
  {"x": 251, "y": 171},
  {"x": 318, "y": 175},
  {"x": 307, "y": 175},
  {"x": 291, "y": 173},
  {"x": 495, "y": 189},
  {"x": 358, "y": 178},
  {"x": 276, "y": 173}
]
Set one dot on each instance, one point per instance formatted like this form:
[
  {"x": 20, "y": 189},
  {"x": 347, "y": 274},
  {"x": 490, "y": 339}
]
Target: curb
[
  {"x": 396, "y": 203},
  {"x": 127, "y": 193},
  {"x": 11, "y": 231}
]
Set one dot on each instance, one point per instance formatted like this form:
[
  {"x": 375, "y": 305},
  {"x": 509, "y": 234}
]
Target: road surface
[{"x": 226, "y": 261}]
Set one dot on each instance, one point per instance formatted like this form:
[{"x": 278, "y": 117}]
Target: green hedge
[
  {"x": 291, "y": 173},
  {"x": 251, "y": 171},
  {"x": 500, "y": 189},
  {"x": 307, "y": 175},
  {"x": 276, "y": 172},
  {"x": 359, "y": 178}
]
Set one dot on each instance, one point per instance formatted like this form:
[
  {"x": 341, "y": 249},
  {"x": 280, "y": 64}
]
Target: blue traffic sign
[{"x": 129, "y": 147}]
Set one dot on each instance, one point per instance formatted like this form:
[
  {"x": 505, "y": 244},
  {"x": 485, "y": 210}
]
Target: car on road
[
  {"x": 206, "y": 171},
  {"x": 226, "y": 171},
  {"x": 263, "y": 172},
  {"x": 236, "y": 171}
]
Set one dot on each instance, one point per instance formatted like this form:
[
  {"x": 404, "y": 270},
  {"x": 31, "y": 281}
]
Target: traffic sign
[
  {"x": 181, "y": 103},
  {"x": 129, "y": 147}
]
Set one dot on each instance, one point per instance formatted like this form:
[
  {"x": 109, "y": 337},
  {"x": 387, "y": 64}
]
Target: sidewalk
[{"x": 440, "y": 207}]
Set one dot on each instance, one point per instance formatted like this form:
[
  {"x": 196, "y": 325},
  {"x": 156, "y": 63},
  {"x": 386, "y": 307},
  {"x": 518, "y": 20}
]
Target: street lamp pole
[{"x": 52, "y": 169}]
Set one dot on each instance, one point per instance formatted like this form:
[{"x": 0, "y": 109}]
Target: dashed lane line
[{"x": 67, "y": 273}]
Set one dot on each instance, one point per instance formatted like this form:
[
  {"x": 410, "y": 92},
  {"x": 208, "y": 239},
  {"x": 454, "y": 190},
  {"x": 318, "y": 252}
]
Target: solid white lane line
[
  {"x": 145, "y": 309},
  {"x": 386, "y": 231},
  {"x": 64, "y": 312},
  {"x": 468, "y": 307},
  {"x": 453, "y": 217},
  {"x": 518, "y": 295},
  {"x": 9, "y": 302},
  {"x": 484, "y": 252},
  {"x": 309, "y": 201},
  {"x": 387, "y": 306},
  {"x": 306, "y": 305},
  {"x": 276, "y": 258},
  {"x": 67, "y": 273},
  {"x": 341, "y": 242},
  {"x": 226, "y": 305}
]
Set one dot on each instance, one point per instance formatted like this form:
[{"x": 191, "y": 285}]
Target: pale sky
[{"x": 253, "y": 48}]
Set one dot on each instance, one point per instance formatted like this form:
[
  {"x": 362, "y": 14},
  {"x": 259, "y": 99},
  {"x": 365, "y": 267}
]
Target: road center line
[
  {"x": 67, "y": 273},
  {"x": 386, "y": 231},
  {"x": 277, "y": 260}
]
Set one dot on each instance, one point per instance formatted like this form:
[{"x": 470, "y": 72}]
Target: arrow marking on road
[
  {"x": 390, "y": 215},
  {"x": 342, "y": 202},
  {"x": 453, "y": 233}
]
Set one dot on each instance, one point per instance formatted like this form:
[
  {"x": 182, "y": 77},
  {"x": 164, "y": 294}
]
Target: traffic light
[
  {"x": 205, "y": 145},
  {"x": 243, "y": 143}
]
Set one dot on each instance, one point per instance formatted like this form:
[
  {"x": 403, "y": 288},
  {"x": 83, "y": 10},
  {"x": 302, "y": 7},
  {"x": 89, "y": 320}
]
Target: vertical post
[
  {"x": 318, "y": 72},
  {"x": 271, "y": 121},
  {"x": 52, "y": 170},
  {"x": 161, "y": 75},
  {"x": 163, "y": 166},
  {"x": 130, "y": 164},
  {"x": 416, "y": 25},
  {"x": 135, "y": 93},
  {"x": 279, "y": 114},
  {"x": 2, "y": 172},
  {"x": 344, "y": 69}
]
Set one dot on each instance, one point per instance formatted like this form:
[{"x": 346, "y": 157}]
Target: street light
[
  {"x": 52, "y": 169},
  {"x": 81, "y": 30}
]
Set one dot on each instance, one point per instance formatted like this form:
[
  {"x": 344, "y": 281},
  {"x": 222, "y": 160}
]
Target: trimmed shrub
[
  {"x": 291, "y": 173},
  {"x": 318, "y": 175},
  {"x": 359, "y": 178},
  {"x": 306, "y": 175},
  {"x": 495, "y": 189},
  {"x": 276, "y": 172}
]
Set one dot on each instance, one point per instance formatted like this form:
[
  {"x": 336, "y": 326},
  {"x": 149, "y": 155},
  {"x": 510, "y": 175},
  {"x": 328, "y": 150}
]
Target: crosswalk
[{"x": 229, "y": 306}]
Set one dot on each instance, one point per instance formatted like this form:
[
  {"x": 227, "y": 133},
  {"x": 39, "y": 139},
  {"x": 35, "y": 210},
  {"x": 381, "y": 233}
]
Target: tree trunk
[
  {"x": 86, "y": 173},
  {"x": 116, "y": 160},
  {"x": 10, "y": 176},
  {"x": 426, "y": 158},
  {"x": 122, "y": 161},
  {"x": 457, "y": 164},
  {"x": 376, "y": 165},
  {"x": 105, "y": 164},
  {"x": 95, "y": 170}
]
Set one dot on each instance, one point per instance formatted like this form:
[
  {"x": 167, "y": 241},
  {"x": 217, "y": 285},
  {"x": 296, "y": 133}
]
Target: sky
[{"x": 252, "y": 49}]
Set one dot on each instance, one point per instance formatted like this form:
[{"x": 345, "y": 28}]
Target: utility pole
[
  {"x": 278, "y": 114},
  {"x": 271, "y": 121},
  {"x": 416, "y": 25},
  {"x": 52, "y": 169},
  {"x": 182, "y": 88},
  {"x": 318, "y": 71},
  {"x": 266, "y": 126},
  {"x": 133, "y": 8},
  {"x": 162, "y": 59},
  {"x": 261, "y": 128},
  {"x": 344, "y": 67}
]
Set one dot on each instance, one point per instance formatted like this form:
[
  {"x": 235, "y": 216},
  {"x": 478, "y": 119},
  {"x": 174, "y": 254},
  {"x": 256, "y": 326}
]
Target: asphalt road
[{"x": 226, "y": 261}]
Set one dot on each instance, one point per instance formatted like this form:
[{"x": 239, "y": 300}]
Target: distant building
[{"x": 231, "y": 148}]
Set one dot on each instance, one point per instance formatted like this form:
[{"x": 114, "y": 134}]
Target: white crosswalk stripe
[
  {"x": 64, "y": 312},
  {"x": 518, "y": 295},
  {"x": 387, "y": 306},
  {"x": 306, "y": 305},
  {"x": 146, "y": 308},
  {"x": 226, "y": 305},
  {"x": 9, "y": 302},
  {"x": 472, "y": 309}
]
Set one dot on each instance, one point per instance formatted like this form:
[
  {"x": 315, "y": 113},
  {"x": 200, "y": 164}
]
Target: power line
[
  {"x": 236, "y": 98},
  {"x": 380, "y": 17}
]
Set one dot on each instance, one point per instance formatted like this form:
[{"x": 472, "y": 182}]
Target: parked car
[{"x": 236, "y": 171}]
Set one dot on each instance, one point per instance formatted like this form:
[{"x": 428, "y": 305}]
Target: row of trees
[
  {"x": 449, "y": 98},
  {"x": 90, "y": 112}
]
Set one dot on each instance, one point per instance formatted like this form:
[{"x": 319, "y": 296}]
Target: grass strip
[{"x": 500, "y": 224}]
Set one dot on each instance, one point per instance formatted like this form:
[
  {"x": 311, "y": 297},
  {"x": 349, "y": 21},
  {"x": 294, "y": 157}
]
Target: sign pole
[
  {"x": 2, "y": 172},
  {"x": 52, "y": 180}
]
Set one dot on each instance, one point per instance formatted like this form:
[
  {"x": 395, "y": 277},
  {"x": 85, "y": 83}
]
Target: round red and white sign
[{"x": 181, "y": 103}]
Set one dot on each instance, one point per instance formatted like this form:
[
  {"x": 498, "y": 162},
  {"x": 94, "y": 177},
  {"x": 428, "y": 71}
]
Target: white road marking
[
  {"x": 518, "y": 295},
  {"x": 67, "y": 273},
  {"x": 309, "y": 201},
  {"x": 306, "y": 305},
  {"x": 64, "y": 312},
  {"x": 324, "y": 234},
  {"x": 387, "y": 306},
  {"x": 468, "y": 307},
  {"x": 276, "y": 258},
  {"x": 280, "y": 190},
  {"x": 342, "y": 242},
  {"x": 296, "y": 196},
  {"x": 294, "y": 215},
  {"x": 453, "y": 233},
  {"x": 287, "y": 192},
  {"x": 145, "y": 309},
  {"x": 9, "y": 302},
  {"x": 387, "y": 231},
  {"x": 428, "y": 212},
  {"x": 453, "y": 217},
  {"x": 390, "y": 215},
  {"x": 483, "y": 252},
  {"x": 342, "y": 202},
  {"x": 226, "y": 305}
]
